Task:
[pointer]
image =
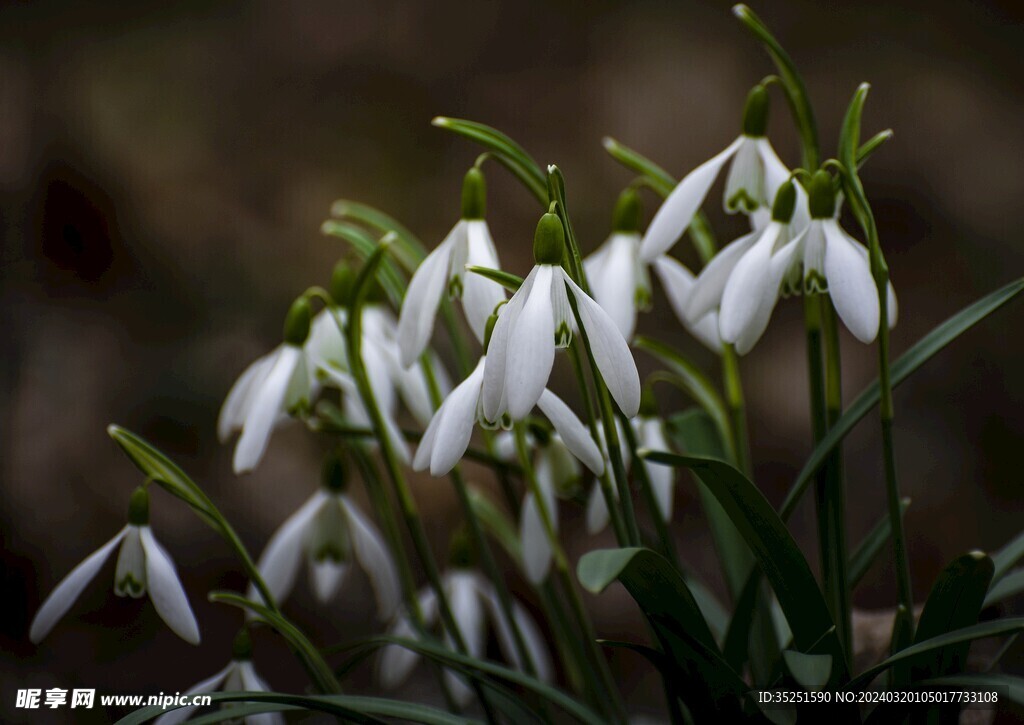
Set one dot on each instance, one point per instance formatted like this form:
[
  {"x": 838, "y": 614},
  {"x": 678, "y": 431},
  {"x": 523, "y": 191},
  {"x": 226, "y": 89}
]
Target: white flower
[
  {"x": 469, "y": 242},
  {"x": 143, "y": 566},
  {"x": 238, "y": 676},
  {"x": 619, "y": 280},
  {"x": 754, "y": 178},
  {"x": 538, "y": 319},
  {"x": 678, "y": 283},
  {"x": 473, "y": 602},
  {"x": 330, "y": 533},
  {"x": 267, "y": 392}
]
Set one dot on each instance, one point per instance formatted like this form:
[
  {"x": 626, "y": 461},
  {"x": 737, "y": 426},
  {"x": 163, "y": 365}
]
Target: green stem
[
  {"x": 832, "y": 497},
  {"x": 737, "y": 408},
  {"x": 606, "y": 686}
]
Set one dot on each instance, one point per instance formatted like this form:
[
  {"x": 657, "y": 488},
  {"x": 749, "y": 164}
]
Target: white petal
[
  {"x": 662, "y": 478},
  {"x": 456, "y": 419},
  {"x": 574, "y": 434},
  {"x": 469, "y": 618},
  {"x": 611, "y": 353},
  {"x": 375, "y": 559},
  {"x": 396, "y": 662},
  {"x": 532, "y": 638},
  {"x": 232, "y": 413},
  {"x": 131, "y": 565},
  {"x": 252, "y": 682},
  {"x": 422, "y": 298},
  {"x": 267, "y": 405},
  {"x": 69, "y": 589},
  {"x": 892, "y": 306},
  {"x": 750, "y": 294},
  {"x": 425, "y": 449},
  {"x": 327, "y": 576},
  {"x": 850, "y": 284},
  {"x": 279, "y": 562},
  {"x": 534, "y": 539},
  {"x": 706, "y": 294},
  {"x": 531, "y": 346},
  {"x": 493, "y": 395},
  {"x": 210, "y": 684},
  {"x": 378, "y": 355},
  {"x": 165, "y": 589},
  {"x": 612, "y": 278},
  {"x": 678, "y": 281},
  {"x": 745, "y": 182},
  {"x": 597, "y": 510},
  {"x": 325, "y": 345},
  {"x": 676, "y": 213},
  {"x": 535, "y": 642},
  {"x": 480, "y": 295}
]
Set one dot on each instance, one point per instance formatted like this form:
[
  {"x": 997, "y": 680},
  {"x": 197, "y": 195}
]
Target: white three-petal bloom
[
  {"x": 469, "y": 242},
  {"x": 328, "y": 531},
  {"x": 538, "y": 319},
  {"x": 473, "y": 601},
  {"x": 238, "y": 676},
  {"x": 143, "y": 565}
]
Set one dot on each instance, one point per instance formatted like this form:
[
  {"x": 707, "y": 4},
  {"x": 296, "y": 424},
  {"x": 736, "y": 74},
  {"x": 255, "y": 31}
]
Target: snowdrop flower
[
  {"x": 473, "y": 602},
  {"x": 268, "y": 391},
  {"x": 744, "y": 279},
  {"x": 538, "y": 319},
  {"x": 754, "y": 178},
  {"x": 469, "y": 242},
  {"x": 558, "y": 474},
  {"x": 330, "y": 534},
  {"x": 238, "y": 676},
  {"x": 142, "y": 566},
  {"x": 833, "y": 262}
]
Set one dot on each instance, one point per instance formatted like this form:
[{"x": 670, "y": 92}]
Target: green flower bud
[
  {"x": 343, "y": 278},
  {"x": 333, "y": 475},
  {"x": 138, "y": 507},
  {"x": 549, "y": 240},
  {"x": 474, "y": 194},
  {"x": 785, "y": 203},
  {"x": 755, "y": 112},
  {"x": 628, "y": 213},
  {"x": 461, "y": 552},
  {"x": 296, "y": 324},
  {"x": 241, "y": 648},
  {"x": 822, "y": 196}
]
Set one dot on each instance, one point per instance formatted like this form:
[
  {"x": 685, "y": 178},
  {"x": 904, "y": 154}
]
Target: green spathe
[
  {"x": 785, "y": 203},
  {"x": 296, "y": 324},
  {"x": 474, "y": 194},
  {"x": 549, "y": 240},
  {"x": 755, "y": 112}
]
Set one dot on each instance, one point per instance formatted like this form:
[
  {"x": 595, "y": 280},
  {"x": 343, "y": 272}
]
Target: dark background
[{"x": 164, "y": 171}]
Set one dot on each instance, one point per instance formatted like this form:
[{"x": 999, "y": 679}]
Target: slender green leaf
[
  {"x": 505, "y": 150},
  {"x": 776, "y": 551},
  {"x": 868, "y": 549},
  {"x": 902, "y": 369},
  {"x": 954, "y": 603},
  {"x": 509, "y": 281},
  {"x": 967, "y": 634},
  {"x": 409, "y": 251},
  {"x": 1010, "y": 585},
  {"x": 390, "y": 278},
  {"x": 811, "y": 672},
  {"x": 1007, "y": 557},
  {"x": 659, "y": 180}
]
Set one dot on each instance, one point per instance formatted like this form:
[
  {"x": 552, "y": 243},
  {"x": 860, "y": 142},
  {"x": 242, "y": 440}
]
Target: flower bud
[
  {"x": 474, "y": 194},
  {"x": 785, "y": 203},
  {"x": 343, "y": 278},
  {"x": 296, "y": 324},
  {"x": 549, "y": 240},
  {"x": 241, "y": 648},
  {"x": 138, "y": 507},
  {"x": 333, "y": 475},
  {"x": 755, "y": 112},
  {"x": 628, "y": 212},
  {"x": 822, "y": 196}
]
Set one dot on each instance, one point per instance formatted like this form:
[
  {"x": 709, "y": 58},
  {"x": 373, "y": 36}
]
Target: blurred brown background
[{"x": 164, "y": 171}]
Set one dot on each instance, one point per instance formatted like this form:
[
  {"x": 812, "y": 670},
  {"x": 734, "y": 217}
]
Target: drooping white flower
[
  {"x": 329, "y": 533},
  {"x": 753, "y": 180},
  {"x": 538, "y": 319},
  {"x": 469, "y": 242},
  {"x": 267, "y": 392},
  {"x": 474, "y": 602},
  {"x": 678, "y": 283},
  {"x": 143, "y": 566},
  {"x": 238, "y": 676}
]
